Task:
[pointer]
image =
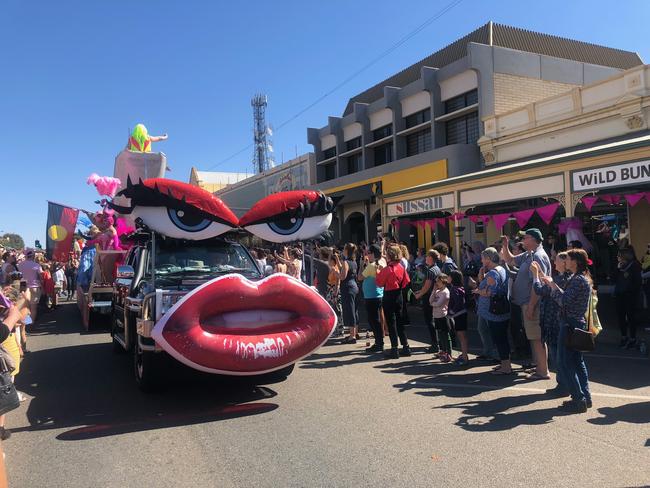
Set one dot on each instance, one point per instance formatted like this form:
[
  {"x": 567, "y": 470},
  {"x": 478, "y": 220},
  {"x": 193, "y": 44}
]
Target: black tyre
[
  {"x": 275, "y": 376},
  {"x": 147, "y": 369}
]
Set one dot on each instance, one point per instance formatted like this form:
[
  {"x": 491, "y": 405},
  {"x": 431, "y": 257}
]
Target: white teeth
[{"x": 250, "y": 318}]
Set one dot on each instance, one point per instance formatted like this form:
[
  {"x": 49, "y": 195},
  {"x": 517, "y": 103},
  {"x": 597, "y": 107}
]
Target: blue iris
[
  {"x": 286, "y": 226},
  {"x": 187, "y": 220}
]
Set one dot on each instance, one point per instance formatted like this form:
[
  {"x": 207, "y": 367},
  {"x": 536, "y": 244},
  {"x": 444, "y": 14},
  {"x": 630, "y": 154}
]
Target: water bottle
[{"x": 643, "y": 348}]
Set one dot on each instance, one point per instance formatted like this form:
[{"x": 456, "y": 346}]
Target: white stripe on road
[{"x": 519, "y": 388}]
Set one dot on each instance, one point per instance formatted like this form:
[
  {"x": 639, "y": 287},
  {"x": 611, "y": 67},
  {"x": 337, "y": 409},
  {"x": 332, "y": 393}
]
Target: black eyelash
[
  {"x": 323, "y": 205},
  {"x": 154, "y": 197}
]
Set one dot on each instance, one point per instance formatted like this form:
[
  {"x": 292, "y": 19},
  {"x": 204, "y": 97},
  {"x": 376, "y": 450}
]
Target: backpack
[{"x": 456, "y": 300}]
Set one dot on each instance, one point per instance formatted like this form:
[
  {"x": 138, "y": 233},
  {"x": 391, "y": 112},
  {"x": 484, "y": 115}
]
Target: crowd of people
[
  {"x": 29, "y": 284},
  {"x": 527, "y": 293}
]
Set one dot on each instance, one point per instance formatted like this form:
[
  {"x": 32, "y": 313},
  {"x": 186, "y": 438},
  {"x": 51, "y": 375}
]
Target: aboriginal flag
[{"x": 61, "y": 223}]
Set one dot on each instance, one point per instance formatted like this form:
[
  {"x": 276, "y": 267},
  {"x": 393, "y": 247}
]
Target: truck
[{"x": 158, "y": 271}]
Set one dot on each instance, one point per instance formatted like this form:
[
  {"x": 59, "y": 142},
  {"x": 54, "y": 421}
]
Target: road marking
[{"x": 519, "y": 388}]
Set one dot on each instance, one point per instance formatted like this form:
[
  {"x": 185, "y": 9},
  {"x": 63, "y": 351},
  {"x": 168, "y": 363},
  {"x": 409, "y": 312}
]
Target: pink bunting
[
  {"x": 500, "y": 220},
  {"x": 634, "y": 198},
  {"x": 442, "y": 221},
  {"x": 523, "y": 216},
  {"x": 589, "y": 202},
  {"x": 611, "y": 199},
  {"x": 486, "y": 218},
  {"x": 432, "y": 223},
  {"x": 547, "y": 212},
  {"x": 457, "y": 216},
  {"x": 475, "y": 218}
]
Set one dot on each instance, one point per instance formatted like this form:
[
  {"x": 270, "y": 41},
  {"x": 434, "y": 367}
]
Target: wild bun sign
[{"x": 619, "y": 175}]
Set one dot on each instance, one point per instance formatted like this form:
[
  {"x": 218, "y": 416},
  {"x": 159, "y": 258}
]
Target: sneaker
[
  {"x": 375, "y": 348},
  {"x": 406, "y": 351},
  {"x": 4, "y": 434},
  {"x": 589, "y": 403},
  {"x": 460, "y": 361},
  {"x": 631, "y": 344},
  {"x": 392, "y": 354},
  {"x": 444, "y": 357},
  {"x": 572, "y": 406}
]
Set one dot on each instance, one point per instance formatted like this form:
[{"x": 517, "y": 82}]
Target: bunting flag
[
  {"x": 486, "y": 218},
  {"x": 61, "y": 223},
  {"x": 500, "y": 219},
  {"x": 475, "y": 218},
  {"x": 634, "y": 198},
  {"x": 547, "y": 212},
  {"x": 589, "y": 202},
  {"x": 457, "y": 216},
  {"x": 611, "y": 199},
  {"x": 442, "y": 221},
  {"x": 523, "y": 216}
]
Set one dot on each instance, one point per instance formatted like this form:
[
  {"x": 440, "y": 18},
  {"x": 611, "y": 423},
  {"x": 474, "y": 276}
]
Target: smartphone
[{"x": 23, "y": 286}]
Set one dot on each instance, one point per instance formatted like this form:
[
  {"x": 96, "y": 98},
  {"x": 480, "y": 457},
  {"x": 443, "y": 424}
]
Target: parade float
[{"x": 177, "y": 285}]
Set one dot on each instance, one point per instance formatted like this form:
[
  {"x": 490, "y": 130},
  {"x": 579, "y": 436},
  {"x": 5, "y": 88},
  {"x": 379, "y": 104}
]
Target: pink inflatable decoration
[{"x": 106, "y": 185}]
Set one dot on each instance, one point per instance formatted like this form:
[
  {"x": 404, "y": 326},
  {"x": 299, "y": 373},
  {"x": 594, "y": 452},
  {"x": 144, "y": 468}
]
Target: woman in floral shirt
[{"x": 573, "y": 301}]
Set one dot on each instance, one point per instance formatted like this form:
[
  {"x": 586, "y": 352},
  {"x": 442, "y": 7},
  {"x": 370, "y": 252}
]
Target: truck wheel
[
  {"x": 147, "y": 369},
  {"x": 275, "y": 376}
]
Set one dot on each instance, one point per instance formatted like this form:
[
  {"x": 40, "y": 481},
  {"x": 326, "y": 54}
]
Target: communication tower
[{"x": 262, "y": 148}]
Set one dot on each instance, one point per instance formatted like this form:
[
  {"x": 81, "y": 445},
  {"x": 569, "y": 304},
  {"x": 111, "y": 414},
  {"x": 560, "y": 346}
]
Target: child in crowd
[
  {"x": 458, "y": 314},
  {"x": 439, "y": 302}
]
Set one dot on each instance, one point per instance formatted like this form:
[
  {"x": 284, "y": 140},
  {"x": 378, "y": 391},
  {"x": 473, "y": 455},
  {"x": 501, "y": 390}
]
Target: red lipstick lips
[{"x": 234, "y": 326}]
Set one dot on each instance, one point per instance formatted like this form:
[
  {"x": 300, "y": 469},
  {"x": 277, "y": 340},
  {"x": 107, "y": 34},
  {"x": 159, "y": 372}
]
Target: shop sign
[
  {"x": 421, "y": 205},
  {"x": 620, "y": 175}
]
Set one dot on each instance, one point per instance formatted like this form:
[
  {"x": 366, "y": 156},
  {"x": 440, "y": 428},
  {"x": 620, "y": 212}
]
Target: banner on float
[
  {"x": 61, "y": 223},
  {"x": 619, "y": 175},
  {"x": 421, "y": 205}
]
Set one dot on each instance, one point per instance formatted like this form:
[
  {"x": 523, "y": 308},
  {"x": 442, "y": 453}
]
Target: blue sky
[{"x": 76, "y": 75}]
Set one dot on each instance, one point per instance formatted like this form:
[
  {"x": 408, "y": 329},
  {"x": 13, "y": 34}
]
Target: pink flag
[
  {"x": 474, "y": 218},
  {"x": 500, "y": 220},
  {"x": 634, "y": 198},
  {"x": 611, "y": 199},
  {"x": 547, "y": 212},
  {"x": 486, "y": 218},
  {"x": 432, "y": 223},
  {"x": 589, "y": 202},
  {"x": 523, "y": 216},
  {"x": 458, "y": 216},
  {"x": 442, "y": 221}
]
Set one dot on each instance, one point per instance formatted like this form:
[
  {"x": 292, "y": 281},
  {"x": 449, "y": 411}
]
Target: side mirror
[
  {"x": 125, "y": 272},
  {"x": 268, "y": 270}
]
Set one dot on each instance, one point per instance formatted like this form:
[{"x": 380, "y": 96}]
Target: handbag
[
  {"x": 499, "y": 302},
  {"x": 593, "y": 321},
  {"x": 8, "y": 395},
  {"x": 579, "y": 339}
]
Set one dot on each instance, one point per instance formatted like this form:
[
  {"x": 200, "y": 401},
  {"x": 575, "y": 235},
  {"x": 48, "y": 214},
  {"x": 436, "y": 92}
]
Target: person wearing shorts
[{"x": 523, "y": 295}]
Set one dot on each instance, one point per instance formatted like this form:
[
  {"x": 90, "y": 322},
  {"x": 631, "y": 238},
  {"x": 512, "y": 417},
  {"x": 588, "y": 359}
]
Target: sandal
[{"x": 537, "y": 376}]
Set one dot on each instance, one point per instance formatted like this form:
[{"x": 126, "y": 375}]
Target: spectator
[
  {"x": 31, "y": 271},
  {"x": 333, "y": 295},
  {"x": 349, "y": 292},
  {"x": 458, "y": 314},
  {"x": 372, "y": 295},
  {"x": 404, "y": 261},
  {"x": 71, "y": 275},
  {"x": 446, "y": 263},
  {"x": 292, "y": 259},
  {"x": 393, "y": 279},
  {"x": 8, "y": 268},
  {"x": 59, "y": 280},
  {"x": 550, "y": 316},
  {"x": 495, "y": 282},
  {"x": 424, "y": 294},
  {"x": 321, "y": 271},
  {"x": 573, "y": 301},
  {"x": 420, "y": 257},
  {"x": 626, "y": 293},
  {"x": 439, "y": 301},
  {"x": 523, "y": 296}
]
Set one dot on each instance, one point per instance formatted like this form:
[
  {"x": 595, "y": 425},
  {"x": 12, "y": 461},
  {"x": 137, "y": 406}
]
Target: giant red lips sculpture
[{"x": 234, "y": 326}]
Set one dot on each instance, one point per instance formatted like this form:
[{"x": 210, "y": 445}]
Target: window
[
  {"x": 418, "y": 118},
  {"x": 418, "y": 142},
  {"x": 382, "y": 132},
  {"x": 329, "y": 153},
  {"x": 383, "y": 154},
  {"x": 353, "y": 163},
  {"x": 462, "y": 130},
  {"x": 330, "y": 171},
  {"x": 353, "y": 143},
  {"x": 461, "y": 101}
]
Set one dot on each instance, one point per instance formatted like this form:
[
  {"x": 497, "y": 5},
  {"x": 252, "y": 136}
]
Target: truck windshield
[{"x": 202, "y": 257}]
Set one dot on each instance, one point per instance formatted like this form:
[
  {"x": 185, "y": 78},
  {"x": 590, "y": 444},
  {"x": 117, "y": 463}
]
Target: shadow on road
[
  {"x": 633, "y": 413},
  {"x": 88, "y": 388}
]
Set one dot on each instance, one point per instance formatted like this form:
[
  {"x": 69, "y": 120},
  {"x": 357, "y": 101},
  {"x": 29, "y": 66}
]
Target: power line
[{"x": 371, "y": 63}]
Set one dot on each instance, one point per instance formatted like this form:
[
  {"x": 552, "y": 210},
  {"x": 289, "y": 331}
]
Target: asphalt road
[{"x": 342, "y": 419}]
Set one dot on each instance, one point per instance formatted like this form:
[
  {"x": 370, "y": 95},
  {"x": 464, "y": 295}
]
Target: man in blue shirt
[{"x": 522, "y": 293}]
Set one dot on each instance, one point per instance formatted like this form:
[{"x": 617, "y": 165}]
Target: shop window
[
  {"x": 462, "y": 130},
  {"x": 353, "y": 143},
  {"x": 383, "y": 154},
  {"x": 382, "y": 132},
  {"x": 418, "y": 142},
  {"x": 329, "y": 153},
  {"x": 461, "y": 101},
  {"x": 417, "y": 118},
  {"x": 353, "y": 163}
]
